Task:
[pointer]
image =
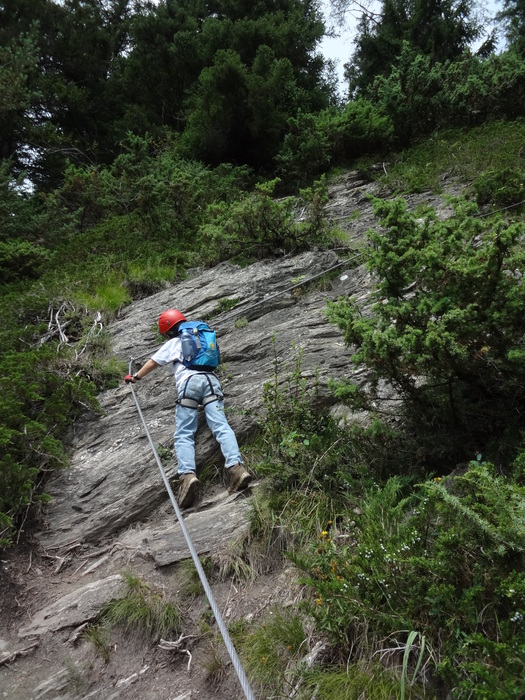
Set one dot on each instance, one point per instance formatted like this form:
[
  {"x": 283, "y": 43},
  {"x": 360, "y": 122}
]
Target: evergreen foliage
[
  {"x": 440, "y": 30},
  {"x": 513, "y": 18},
  {"x": 138, "y": 140},
  {"x": 446, "y": 328},
  {"x": 40, "y": 396},
  {"x": 333, "y": 137},
  {"x": 420, "y": 95},
  {"x": 82, "y": 75}
]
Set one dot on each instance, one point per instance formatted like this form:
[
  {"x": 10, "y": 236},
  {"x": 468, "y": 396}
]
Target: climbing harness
[
  {"x": 193, "y": 403},
  {"x": 188, "y": 402},
  {"x": 243, "y": 680}
]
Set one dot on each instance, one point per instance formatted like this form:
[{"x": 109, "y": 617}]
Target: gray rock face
[
  {"x": 113, "y": 479},
  {"x": 75, "y": 608},
  {"x": 215, "y": 522}
]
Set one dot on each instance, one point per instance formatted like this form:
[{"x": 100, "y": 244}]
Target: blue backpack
[{"x": 200, "y": 349}]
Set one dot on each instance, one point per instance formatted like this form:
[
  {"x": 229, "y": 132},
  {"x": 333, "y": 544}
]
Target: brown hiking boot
[
  {"x": 238, "y": 478},
  {"x": 189, "y": 486}
]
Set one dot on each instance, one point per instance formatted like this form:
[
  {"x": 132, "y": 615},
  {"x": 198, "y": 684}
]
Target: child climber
[{"x": 194, "y": 387}]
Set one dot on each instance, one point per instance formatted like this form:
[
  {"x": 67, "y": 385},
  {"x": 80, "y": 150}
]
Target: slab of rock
[
  {"x": 75, "y": 608},
  {"x": 113, "y": 479},
  {"x": 208, "y": 528},
  {"x": 54, "y": 687}
]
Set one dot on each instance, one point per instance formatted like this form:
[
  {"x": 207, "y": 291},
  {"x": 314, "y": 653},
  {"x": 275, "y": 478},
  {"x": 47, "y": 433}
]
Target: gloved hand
[{"x": 130, "y": 379}]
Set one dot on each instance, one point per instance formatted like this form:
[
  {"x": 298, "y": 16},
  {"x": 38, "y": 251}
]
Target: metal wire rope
[
  {"x": 243, "y": 680},
  {"x": 228, "y": 315}
]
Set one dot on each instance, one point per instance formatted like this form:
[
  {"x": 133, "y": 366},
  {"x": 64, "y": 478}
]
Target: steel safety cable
[
  {"x": 228, "y": 315},
  {"x": 243, "y": 680}
]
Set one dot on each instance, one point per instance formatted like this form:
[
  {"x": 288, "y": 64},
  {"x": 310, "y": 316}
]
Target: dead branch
[
  {"x": 176, "y": 646},
  {"x": 95, "y": 565},
  {"x": 95, "y": 329},
  {"x": 7, "y": 658}
]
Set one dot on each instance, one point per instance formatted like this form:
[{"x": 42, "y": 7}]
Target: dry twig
[
  {"x": 11, "y": 656},
  {"x": 176, "y": 646}
]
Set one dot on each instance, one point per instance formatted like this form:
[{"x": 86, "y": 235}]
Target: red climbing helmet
[{"x": 168, "y": 319}]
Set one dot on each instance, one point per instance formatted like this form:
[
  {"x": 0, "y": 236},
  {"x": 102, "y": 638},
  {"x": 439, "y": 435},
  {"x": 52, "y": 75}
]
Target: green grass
[
  {"x": 458, "y": 153},
  {"x": 144, "y": 611},
  {"x": 371, "y": 681},
  {"x": 99, "y": 637},
  {"x": 271, "y": 650},
  {"x": 188, "y": 577}
]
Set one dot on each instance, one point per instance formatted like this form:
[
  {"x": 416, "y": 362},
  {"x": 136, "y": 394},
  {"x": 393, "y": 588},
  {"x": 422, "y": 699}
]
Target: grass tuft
[{"x": 144, "y": 611}]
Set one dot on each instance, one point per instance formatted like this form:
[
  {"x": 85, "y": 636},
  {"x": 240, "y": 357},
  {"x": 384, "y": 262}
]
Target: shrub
[
  {"x": 445, "y": 560},
  {"x": 149, "y": 181},
  {"x": 502, "y": 188},
  {"x": 333, "y": 137},
  {"x": 36, "y": 406},
  {"x": 259, "y": 225},
  {"x": 20, "y": 259},
  {"x": 445, "y": 329},
  {"x": 419, "y": 95}
]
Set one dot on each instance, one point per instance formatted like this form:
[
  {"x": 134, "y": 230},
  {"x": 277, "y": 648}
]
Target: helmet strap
[{"x": 172, "y": 332}]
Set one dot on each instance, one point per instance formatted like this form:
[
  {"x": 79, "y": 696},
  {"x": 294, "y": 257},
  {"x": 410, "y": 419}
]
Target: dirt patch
[{"x": 64, "y": 664}]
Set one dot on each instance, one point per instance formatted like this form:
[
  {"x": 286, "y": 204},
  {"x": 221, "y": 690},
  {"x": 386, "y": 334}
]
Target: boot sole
[
  {"x": 190, "y": 495},
  {"x": 242, "y": 484}
]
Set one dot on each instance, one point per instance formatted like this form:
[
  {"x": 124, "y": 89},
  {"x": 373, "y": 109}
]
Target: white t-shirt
[{"x": 171, "y": 351}]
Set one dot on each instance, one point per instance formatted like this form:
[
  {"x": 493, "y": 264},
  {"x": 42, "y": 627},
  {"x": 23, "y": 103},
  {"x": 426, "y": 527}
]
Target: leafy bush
[
  {"x": 420, "y": 587},
  {"x": 445, "y": 560},
  {"x": 166, "y": 193},
  {"x": 445, "y": 329},
  {"x": 30, "y": 224},
  {"x": 502, "y": 188},
  {"x": 258, "y": 225},
  {"x": 420, "y": 95},
  {"x": 20, "y": 259},
  {"x": 38, "y": 401},
  {"x": 333, "y": 137}
]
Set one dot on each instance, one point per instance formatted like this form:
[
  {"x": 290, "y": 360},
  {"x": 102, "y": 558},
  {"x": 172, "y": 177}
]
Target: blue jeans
[{"x": 198, "y": 387}]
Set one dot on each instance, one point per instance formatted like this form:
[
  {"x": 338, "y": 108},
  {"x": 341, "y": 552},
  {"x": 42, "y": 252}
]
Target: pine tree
[
  {"x": 442, "y": 29},
  {"x": 513, "y": 18}
]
